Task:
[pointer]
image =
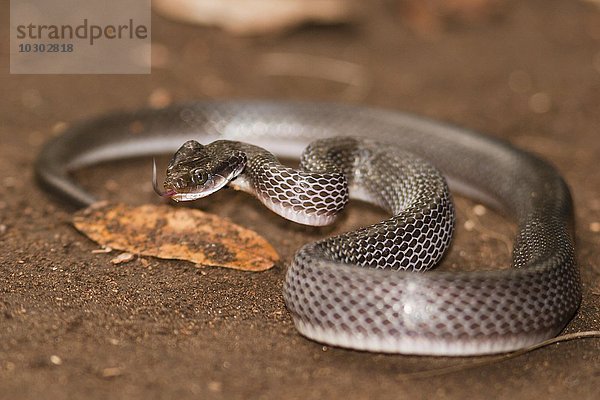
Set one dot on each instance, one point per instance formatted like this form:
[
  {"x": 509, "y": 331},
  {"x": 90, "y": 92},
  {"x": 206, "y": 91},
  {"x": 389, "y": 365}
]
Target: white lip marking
[{"x": 198, "y": 195}]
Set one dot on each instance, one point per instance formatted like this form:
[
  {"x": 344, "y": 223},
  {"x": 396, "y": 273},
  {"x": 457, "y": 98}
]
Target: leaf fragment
[
  {"x": 176, "y": 233},
  {"x": 122, "y": 258}
]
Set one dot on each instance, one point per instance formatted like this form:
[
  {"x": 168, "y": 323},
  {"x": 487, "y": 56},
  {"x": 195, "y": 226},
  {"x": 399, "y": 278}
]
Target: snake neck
[{"x": 313, "y": 194}]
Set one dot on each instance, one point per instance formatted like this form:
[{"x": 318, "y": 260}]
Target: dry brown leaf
[{"x": 176, "y": 233}]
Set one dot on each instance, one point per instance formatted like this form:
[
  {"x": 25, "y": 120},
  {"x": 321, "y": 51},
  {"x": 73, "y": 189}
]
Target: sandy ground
[{"x": 72, "y": 325}]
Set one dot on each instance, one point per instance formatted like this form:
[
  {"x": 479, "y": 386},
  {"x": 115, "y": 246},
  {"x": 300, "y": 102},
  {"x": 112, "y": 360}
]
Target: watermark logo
[{"x": 80, "y": 37}]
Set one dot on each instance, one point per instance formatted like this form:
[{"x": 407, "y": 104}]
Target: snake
[{"x": 372, "y": 289}]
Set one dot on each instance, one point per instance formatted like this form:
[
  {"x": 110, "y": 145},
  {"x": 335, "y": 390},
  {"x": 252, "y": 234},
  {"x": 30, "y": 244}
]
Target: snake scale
[{"x": 362, "y": 289}]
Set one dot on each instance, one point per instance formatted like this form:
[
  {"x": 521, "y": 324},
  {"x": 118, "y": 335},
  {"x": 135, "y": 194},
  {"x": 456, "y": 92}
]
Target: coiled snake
[{"x": 360, "y": 289}]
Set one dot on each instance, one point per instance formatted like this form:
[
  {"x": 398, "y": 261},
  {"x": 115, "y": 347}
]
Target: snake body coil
[{"x": 347, "y": 290}]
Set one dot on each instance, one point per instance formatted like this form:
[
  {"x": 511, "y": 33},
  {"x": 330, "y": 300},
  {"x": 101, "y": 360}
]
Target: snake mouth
[
  {"x": 213, "y": 185},
  {"x": 166, "y": 193},
  {"x": 216, "y": 183}
]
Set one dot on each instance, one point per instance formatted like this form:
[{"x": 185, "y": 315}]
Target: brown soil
[{"x": 73, "y": 325}]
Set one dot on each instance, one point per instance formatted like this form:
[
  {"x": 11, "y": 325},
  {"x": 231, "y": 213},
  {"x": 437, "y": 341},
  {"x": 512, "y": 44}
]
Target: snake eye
[{"x": 199, "y": 177}]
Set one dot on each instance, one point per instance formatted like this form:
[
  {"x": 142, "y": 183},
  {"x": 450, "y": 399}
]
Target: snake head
[{"x": 196, "y": 171}]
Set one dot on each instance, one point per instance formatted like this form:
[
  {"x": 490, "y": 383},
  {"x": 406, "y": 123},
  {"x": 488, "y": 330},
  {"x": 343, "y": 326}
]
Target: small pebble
[
  {"x": 102, "y": 251},
  {"x": 59, "y": 127},
  {"x": 595, "y": 227},
  {"x": 469, "y": 225},
  {"x": 479, "y": 210},
  {"x": 56, "y": 360},
  {"x": 9, "y": 181},
  {"x": 112, "y": 372},
  {"x": 215, "y": 386},
  {"x": 122, "y": 258}
]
